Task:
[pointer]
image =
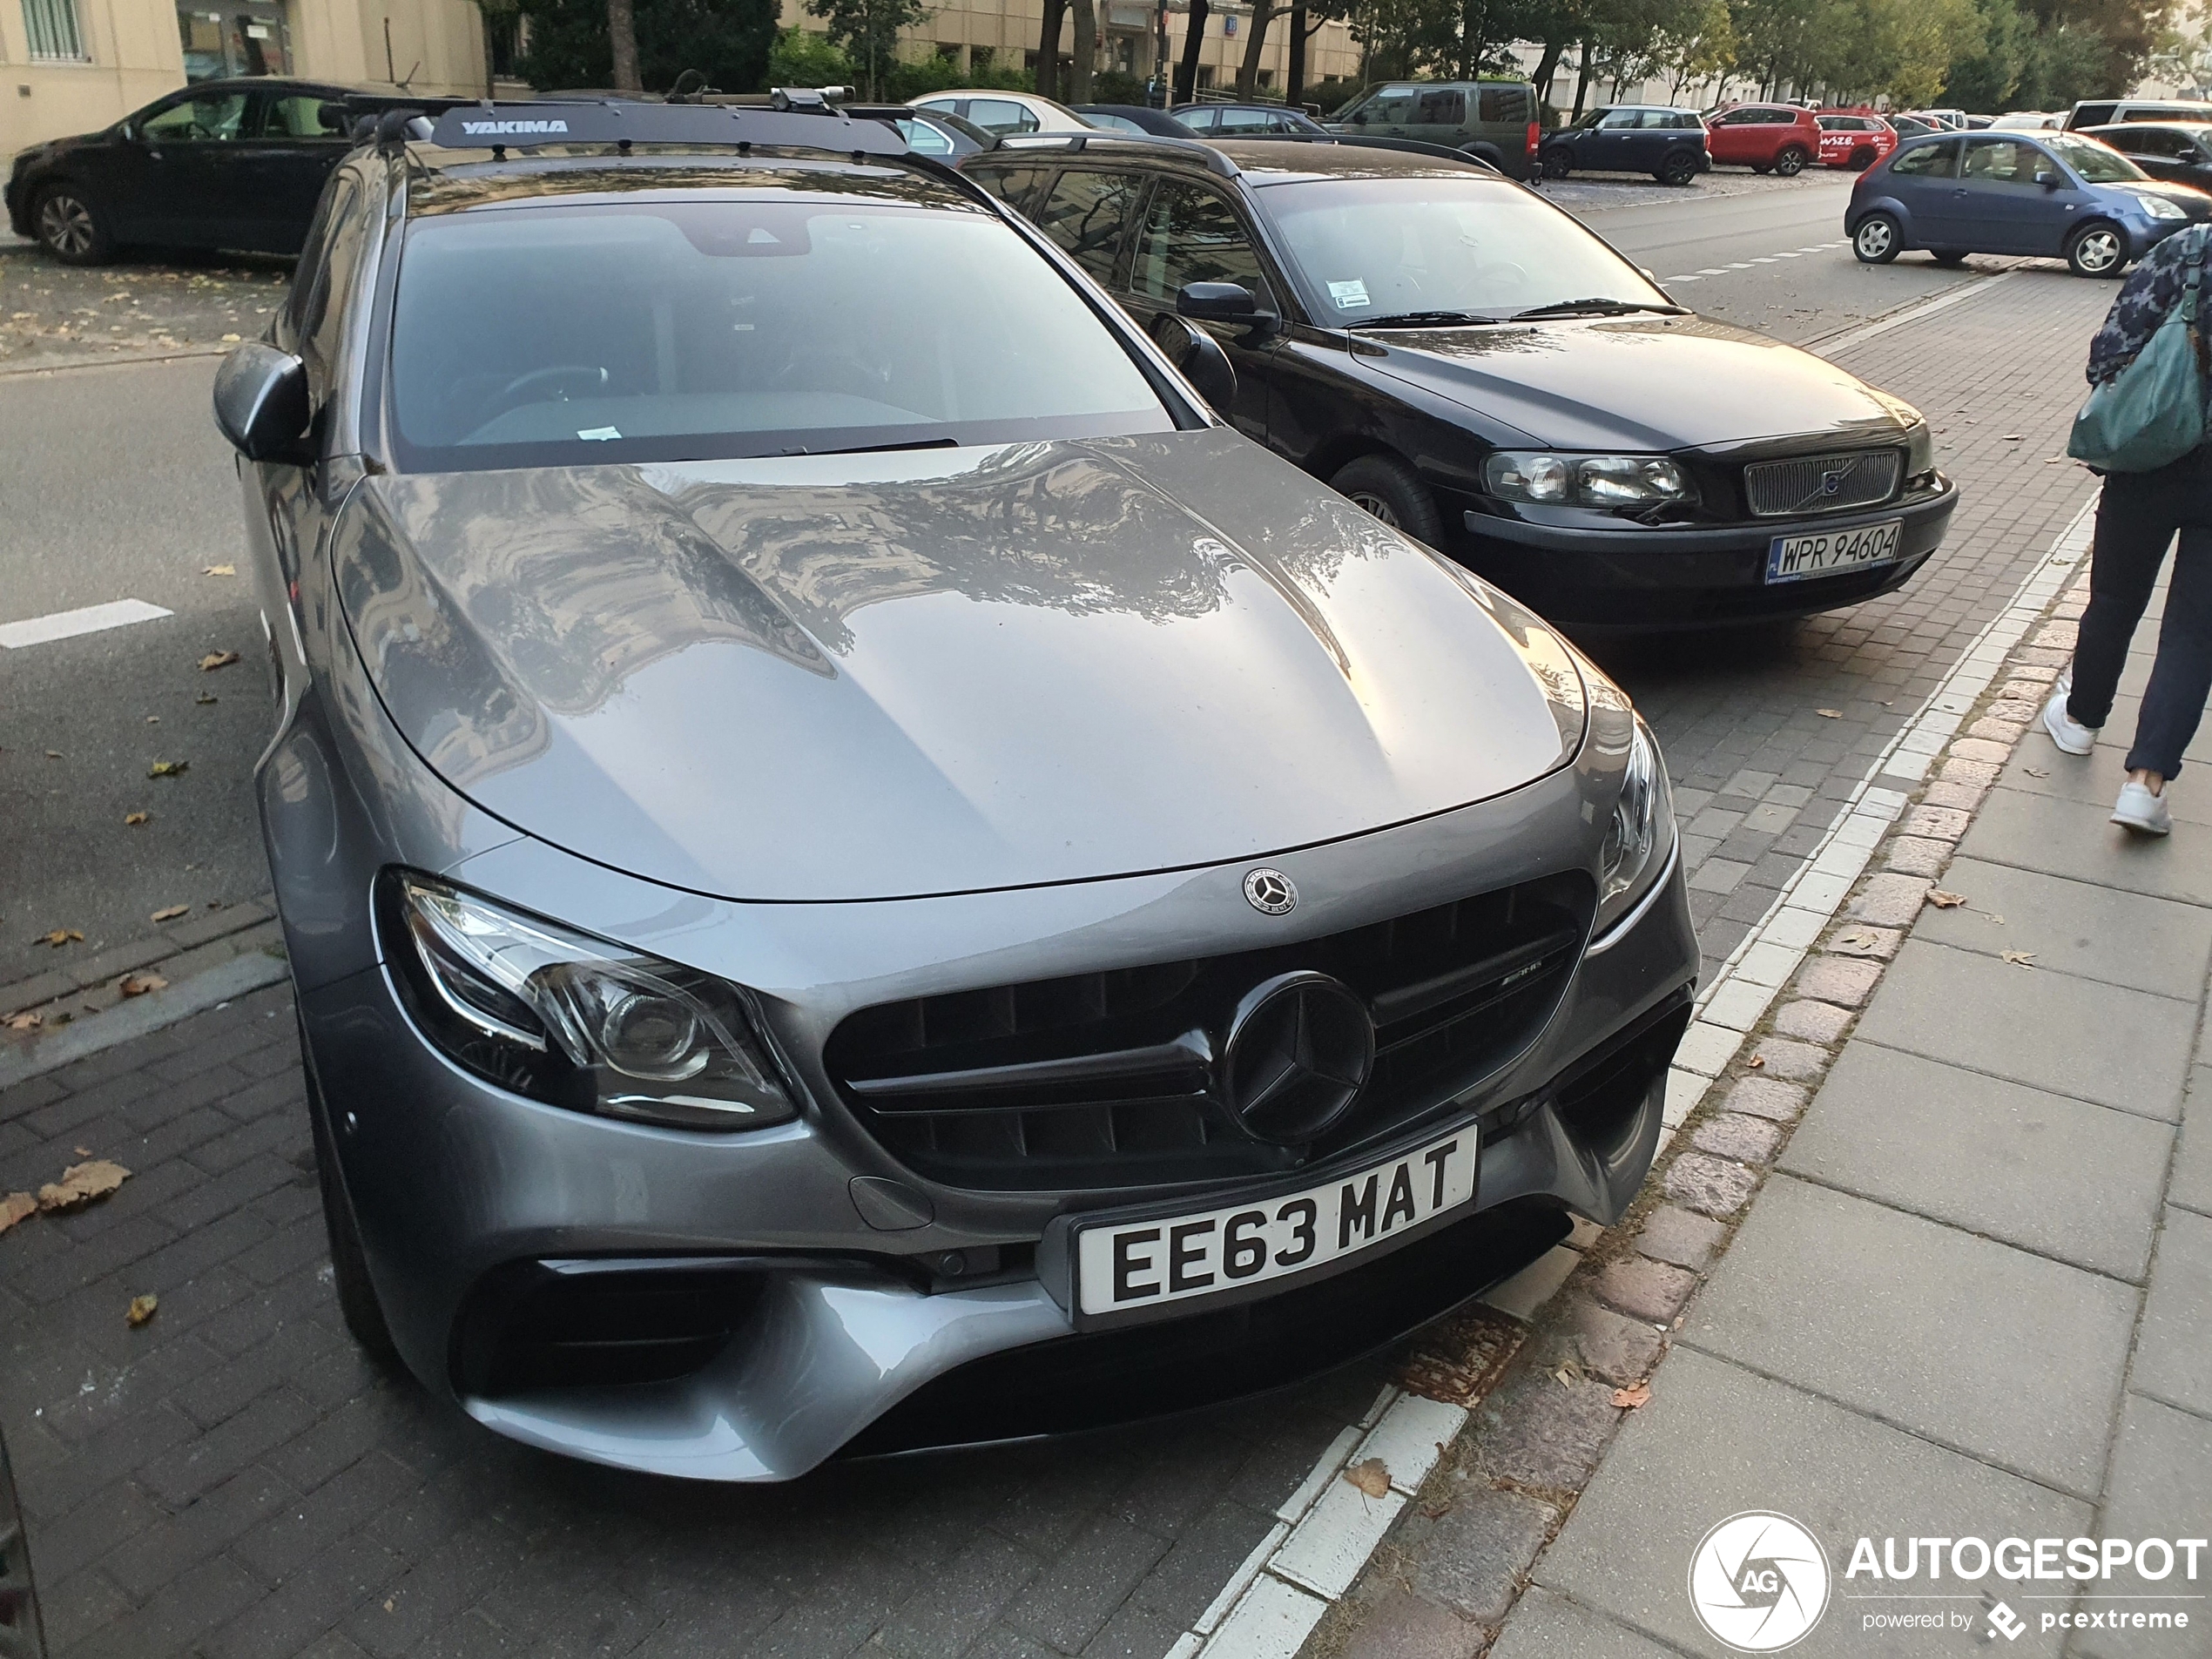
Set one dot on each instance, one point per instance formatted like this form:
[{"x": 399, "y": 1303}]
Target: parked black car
[
  {"x": 1251, "y": 121},
  {"x": 1134, "y": 118},
  {"x": 236, "y": 164},
  {"x": 20, "y": 1637},
  {"x": 1472, "y": 365},
  {"x": 2178, "y": 151},
  {"x": 1667, "y": 143}
]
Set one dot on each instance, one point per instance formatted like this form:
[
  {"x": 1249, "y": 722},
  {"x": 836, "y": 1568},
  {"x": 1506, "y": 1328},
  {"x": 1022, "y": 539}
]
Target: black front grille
[
  {"x": 1822, "y": 483},
  {"x": 1108, "y": 1080}
]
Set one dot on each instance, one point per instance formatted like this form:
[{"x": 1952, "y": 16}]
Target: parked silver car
[{"x": 861, "y": 872}]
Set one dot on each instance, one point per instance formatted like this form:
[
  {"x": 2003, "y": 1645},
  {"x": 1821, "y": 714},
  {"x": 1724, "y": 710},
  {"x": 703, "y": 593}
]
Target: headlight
[
  {"x": 575, "y": 1021},
  {"x": 2158, "y": 207},
  {"x": 1920, "y": 449},
  {"x": 1639, "y": 833},
  {"x": 1588, "y": 481}
]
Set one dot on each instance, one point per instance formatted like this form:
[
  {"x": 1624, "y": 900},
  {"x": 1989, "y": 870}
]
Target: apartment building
[{"x": 77, "y": 65}]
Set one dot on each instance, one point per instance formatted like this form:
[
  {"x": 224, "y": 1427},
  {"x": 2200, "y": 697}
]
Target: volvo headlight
[
  {"x": 575, "y": 1021},
  {"x": 2158, "y": 207},
  {"x": 1585, "y": 480},
  {"x": 1639, "y": 834},
  {"x": 1920, "y": 449}
]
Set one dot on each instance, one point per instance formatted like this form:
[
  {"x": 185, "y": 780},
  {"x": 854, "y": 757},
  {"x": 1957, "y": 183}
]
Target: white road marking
[
  {"x": 67, "y": 625},
  {"x": 1714, "y": 270},
  {"x": 1741, "y": 265},
  {"x": 1766, "y": 259},
  {"x": 1683, "y": 279}
]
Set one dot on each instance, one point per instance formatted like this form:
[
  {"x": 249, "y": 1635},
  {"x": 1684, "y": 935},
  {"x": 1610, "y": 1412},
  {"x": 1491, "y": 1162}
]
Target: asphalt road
[{"x": 1768, "y": 254}]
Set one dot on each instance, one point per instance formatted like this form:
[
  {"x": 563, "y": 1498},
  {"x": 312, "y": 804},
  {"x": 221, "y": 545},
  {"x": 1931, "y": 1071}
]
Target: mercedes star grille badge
[
  {"x": 1299, "y": 1050},
  {"x": 1269, "y": 892}
]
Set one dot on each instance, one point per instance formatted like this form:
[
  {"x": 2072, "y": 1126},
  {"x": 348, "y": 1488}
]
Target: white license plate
[
  {"x": 1122, "y": 1267},
  {"x": 1792, "y": 558}
]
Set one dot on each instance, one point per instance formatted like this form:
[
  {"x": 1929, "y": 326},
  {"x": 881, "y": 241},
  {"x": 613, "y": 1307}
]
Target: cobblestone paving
[{"x": 231, "y": 1480}]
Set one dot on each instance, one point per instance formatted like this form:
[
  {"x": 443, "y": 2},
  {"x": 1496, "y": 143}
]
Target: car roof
[
  {"x": 288, "y": 86},
  {"x": 2146, "y": 126},
  {"x": 1276, "y": 161}
]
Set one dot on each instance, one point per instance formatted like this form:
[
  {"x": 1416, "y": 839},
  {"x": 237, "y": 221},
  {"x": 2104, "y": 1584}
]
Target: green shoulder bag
[{"x": 2152, "y": 413}]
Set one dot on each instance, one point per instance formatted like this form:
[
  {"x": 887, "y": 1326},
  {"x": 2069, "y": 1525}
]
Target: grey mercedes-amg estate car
[{"x": 861, "y": 872}]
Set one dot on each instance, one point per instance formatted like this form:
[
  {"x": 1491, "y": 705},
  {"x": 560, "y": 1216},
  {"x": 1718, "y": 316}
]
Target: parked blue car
[{"x": 2053, "y": 194}]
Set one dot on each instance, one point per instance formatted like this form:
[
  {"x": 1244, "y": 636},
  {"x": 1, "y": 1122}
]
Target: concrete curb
[{"x": 49, "y": 1051}]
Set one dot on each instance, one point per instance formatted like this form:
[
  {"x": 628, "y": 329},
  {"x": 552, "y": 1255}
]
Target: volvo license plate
[
  {"x": 1132, "y": 1265},
  {"x": 1792, "y": 558}
]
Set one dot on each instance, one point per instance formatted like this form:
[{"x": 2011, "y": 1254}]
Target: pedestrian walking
[{"x": 2139, "y": 515}]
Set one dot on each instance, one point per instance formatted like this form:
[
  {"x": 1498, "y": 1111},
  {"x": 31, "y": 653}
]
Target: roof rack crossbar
[{"x": 525, "y": 125}]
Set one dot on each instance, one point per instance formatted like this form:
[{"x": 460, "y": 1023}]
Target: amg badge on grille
[{"x": 1269, "y": 892}]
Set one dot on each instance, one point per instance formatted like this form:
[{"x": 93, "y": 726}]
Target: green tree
[
  {"x": 729, "y": 41},
  {"x": 803, "y": 59},
  {"x": 1985, "y": 72},
  {"x": 868, "y": 32}
]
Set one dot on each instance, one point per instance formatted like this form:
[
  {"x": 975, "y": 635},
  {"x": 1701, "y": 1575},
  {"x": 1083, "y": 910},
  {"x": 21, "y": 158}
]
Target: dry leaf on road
[
  {"x": 2021, "y": 958},
  {"x": 134, "y": 819},
  {"x": 142, "y": 1308},
  {"x": 81, "y": 1184},
  {"x": 53, "y": 754},
  {"x": 168, "y": 768},
  {"x": 1757, "y": 1061},
  {"x": 205, "y": 699},
  {"x": 1857, "y": 940},
  {"x": 61, "y": 937},
  {"x": 1830, "y": 714},
  {"x": 2037, "y": 771},
  {"x": 28, "y": 1020},
  {"x": 219, "y": 569},
  {"x": 170, "y": 913},
  {"x": 140, "y": 984},
  {"x": 216, "y": 659},
  {"x": 1371, "y": 1477},
  {"x": 15, "y": 1207},
  {"x": 1943, "y": 900},
  {"x": 1634, "y": 1395}
]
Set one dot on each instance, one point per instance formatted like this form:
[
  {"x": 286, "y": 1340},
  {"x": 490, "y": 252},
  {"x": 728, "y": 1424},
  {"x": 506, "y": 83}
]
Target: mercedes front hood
[{"x": 883, "y": 675}]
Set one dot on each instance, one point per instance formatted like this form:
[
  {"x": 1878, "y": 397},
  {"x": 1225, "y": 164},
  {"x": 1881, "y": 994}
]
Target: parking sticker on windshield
[
  {"x": 597, "y": 433},
  {"x": 1349, "y": 296}
]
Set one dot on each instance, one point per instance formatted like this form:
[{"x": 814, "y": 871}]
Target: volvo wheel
[{"x": 1392, "y": 491}]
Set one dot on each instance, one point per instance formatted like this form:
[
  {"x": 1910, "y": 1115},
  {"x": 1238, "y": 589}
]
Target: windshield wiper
[
  {"x": 1422, "y": 319},
  {"x": 875, "y": 449},
  {"x": 1597, "y": 307}
]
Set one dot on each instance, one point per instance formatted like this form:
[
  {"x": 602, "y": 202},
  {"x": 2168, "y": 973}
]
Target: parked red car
[
  {"x": 1854, "y": 138},
  {"x": 1766, "y": 137}
]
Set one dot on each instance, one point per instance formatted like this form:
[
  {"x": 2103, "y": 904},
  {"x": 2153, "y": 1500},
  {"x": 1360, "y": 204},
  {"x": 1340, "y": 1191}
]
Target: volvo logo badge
[
  {"x": 1269, "y": 892},
  {"x": 1831, "y": 482},
  {"x": 1300, "y": 1049}
]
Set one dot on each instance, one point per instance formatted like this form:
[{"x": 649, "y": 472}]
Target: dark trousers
[{"x": 2139, "y": 515}]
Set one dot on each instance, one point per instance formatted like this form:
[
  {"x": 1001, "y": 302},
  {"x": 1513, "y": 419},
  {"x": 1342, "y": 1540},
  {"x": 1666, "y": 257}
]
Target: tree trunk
[
  {"x": 1194, "y": 39},
  {"x": 1086, "y": 51},
  {"x": 622, "y": 35},
  {"x": 1294, "y": 73},
  {"x": 1263, "y": 13},
  {"x": 1581, "y": 80},
  {"x": 1048, "y": 48},
  {"x": 1547, "y": 67}
]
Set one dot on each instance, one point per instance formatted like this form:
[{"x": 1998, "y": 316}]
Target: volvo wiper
[
  {"x": 1423, "y": 319},
  {"x": 1597, "y": 307}
]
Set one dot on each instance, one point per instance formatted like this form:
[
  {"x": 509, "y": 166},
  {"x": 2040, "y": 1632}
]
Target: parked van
[
  {"x": 2109, "y": 111},
  {"x": 1494, "y": 121}
]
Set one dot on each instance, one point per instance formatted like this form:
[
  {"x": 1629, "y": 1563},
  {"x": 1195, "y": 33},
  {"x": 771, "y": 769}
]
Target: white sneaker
[
  {"x": 2141, "y": 811},
  {"x": 2074, "y": 738}
]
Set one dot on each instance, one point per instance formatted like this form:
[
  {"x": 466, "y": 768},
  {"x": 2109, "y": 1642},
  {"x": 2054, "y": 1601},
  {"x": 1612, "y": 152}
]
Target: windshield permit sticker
[
  {"x": 1349, "y": 296},
  {"x": 597, "y": 433}
]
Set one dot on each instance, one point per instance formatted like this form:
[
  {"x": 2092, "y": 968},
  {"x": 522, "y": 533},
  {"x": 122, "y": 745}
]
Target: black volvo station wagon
[{"x": 1470, "y": 364}]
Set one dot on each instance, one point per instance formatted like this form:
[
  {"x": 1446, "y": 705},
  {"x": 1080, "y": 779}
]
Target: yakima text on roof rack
[{"x": 476, "y": 126}]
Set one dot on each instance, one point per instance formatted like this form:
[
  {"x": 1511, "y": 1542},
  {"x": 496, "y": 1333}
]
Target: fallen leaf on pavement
[
  {"x": 1371, "y": 1477},
  {"x": 81, "y": 1184},
  {"x": 167, "y": 768},
  {"x": 15, "y": 1207},
  {"x": 205, "y": 698},
  {"x": 1757, "y": 1061},
  {"x": 61, "y": 937},
  {"x": 28, "y": 1020},
  {"x": 154, "y": 719},
  {"x": 140, "y": 984},
  {"x": 1943, "y": 900},
  {"x": 1634, "y": 1395},
  {"x": 219, "y": 569},
  {"x": 1830, "y": 714},
  {"x": 230, "y": 340},
  {"x": 2012, "y": 437},
  {"x": 2021, "y": 958},
  {"x": 1856, "y": 939},
  {"x": 82, "y": 1151},
  {"x": 1995, "y": 920},
  {"x": 142, "y": 1308},
  {"x": 170, "y": 913},
  {"x": 2037, "y": 771},
  {"x": 53, "y": 754},
  {"x": 136, "y": 818},
  {"x": 216, "y": 659}
]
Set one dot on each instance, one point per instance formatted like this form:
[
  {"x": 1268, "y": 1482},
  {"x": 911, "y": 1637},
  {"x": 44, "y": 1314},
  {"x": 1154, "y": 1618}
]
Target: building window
[
  {"x": 244, "y": 38},
  {"x": 51, "y": 25},
  {"x": 979, "y": 59}
]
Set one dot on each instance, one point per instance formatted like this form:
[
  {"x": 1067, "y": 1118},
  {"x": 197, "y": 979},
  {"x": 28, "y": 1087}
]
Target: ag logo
[{"x": 1758, "y": 1582}]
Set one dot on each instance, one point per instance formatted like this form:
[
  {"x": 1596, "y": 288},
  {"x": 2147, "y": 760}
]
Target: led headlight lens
[
  {"x": 1588, "y": 481},
  {"x": 575, "y": 1021},
  {"x": 1639, "y": 833}
]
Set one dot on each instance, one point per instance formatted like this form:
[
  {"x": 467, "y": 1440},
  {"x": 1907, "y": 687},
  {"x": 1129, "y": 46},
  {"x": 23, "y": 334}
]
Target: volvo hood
[{"x": 883, "y": 675}]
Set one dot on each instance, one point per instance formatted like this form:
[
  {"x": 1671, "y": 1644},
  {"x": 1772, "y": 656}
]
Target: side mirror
[
  {"x": 1225, "y": 302},
  {"x": 1198, "y": 356},
  {"x": 262, "y": 403},
  {"x": 2048, "y": 179}
]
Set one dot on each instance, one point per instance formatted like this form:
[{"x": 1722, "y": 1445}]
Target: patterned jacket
[{"x": 2152, "y": 290}]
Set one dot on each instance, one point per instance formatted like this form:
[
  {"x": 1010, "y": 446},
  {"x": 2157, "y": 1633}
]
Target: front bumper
[
  {"x": 837, "y": 1314},
  {"x": 1641, "y": 577}
]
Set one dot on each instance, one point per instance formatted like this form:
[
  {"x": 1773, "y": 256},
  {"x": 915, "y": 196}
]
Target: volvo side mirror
[
  {"x": 1225, "y": 302},
  {"x": 1199, "y": 358},
  {"x": 262, "y": 403}
]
